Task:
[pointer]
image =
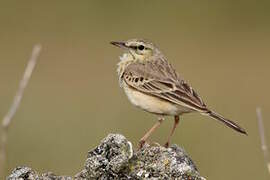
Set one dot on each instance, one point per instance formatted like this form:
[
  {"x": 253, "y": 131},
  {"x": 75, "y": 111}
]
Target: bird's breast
[{"x": 151, "y": 103}]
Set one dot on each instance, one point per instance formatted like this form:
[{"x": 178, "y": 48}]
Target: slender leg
[
  {"x": 149, "y": 132},
  {"x": 176, "y": 122}
]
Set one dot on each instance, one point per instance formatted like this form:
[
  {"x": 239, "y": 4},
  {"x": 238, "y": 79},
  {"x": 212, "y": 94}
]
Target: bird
[{"x": 151, "y": 83}]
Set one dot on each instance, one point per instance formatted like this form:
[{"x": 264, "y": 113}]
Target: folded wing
[{"x": 158, "y": 79}]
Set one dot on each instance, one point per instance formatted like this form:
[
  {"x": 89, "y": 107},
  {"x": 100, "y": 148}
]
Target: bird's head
[{"x": 138, "y": 48}]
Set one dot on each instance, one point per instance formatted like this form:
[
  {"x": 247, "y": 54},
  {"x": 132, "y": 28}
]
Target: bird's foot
[
  {"x": 166, "y": 145},
  {"x": 141, "y": 144}
]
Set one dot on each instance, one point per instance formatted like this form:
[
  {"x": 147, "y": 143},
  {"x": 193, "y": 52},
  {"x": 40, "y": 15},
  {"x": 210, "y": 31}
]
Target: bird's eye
[{"x": 141, "y": 47}]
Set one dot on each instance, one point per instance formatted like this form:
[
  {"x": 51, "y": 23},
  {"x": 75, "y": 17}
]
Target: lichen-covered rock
[
  {"x": 114, "y": 158},
  {"x": 52, "y": 176},
  {"x": 157, "y": 162},
  {"x": 21, "y": 172},
  {"x": 26, "y": 173},
  {"x": 107, "y": 159}
]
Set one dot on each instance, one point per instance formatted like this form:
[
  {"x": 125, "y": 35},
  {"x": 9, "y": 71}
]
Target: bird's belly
[{"x": 152, "y": 104}]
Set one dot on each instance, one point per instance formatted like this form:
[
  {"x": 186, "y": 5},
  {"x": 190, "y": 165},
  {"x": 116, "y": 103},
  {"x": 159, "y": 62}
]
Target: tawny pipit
[{"x": 151, "y": 83}]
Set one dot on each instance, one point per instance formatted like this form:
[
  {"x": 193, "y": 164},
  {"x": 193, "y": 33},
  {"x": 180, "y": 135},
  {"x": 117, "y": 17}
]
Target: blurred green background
[{"x": 222, "y": 48}]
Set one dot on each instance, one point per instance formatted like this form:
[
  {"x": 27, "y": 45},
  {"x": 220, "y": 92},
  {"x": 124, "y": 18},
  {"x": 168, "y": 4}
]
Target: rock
[
  {"x": 108, "y": 159},
  {"x": 114, "y": 158},
  {"x": 23, "y": 173}
]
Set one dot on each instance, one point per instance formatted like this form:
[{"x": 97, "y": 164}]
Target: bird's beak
[{"x": 119, "y": 44}]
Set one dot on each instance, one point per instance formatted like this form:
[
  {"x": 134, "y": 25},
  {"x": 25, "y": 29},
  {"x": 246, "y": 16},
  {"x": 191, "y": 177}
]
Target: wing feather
[{"x": 163, "y": 82}]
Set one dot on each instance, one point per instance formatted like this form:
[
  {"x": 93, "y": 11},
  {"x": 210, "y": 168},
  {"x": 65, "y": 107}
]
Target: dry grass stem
[
  {"x": 15, "y": 104},
  {"x": 262, "y": 137}
]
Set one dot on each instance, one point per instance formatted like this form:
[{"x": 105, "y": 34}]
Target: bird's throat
[{"x": 125, "y": 60}]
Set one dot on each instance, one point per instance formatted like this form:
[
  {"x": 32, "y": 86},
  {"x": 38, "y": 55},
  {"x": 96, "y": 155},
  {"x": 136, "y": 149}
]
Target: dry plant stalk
[
  {"x": 262, "y": 137},
  {"x": 15, "y": 105}
]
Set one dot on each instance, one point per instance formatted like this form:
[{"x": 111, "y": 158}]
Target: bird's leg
[
  {"x": 176, "y": 122},
  {"x": 149, "y": 132}
]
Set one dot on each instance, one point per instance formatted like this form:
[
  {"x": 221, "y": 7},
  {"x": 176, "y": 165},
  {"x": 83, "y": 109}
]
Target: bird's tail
[{"x": 225, "y": 121}]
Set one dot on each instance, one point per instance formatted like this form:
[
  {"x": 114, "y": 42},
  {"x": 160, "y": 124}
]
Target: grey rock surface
[
  {"x": 115, "y": 158},
  {"x": 23, "y": 173}
]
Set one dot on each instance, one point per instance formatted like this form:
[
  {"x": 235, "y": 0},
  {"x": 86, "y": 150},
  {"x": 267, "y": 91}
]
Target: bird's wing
[{"x": 158, "y": 78}]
